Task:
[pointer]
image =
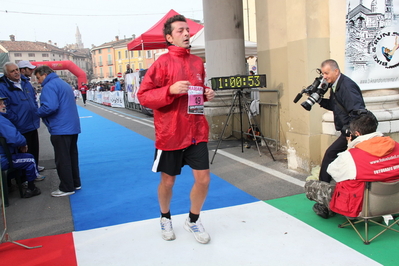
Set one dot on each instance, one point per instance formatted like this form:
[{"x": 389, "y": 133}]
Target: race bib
[{"x": 196, "y": 100}]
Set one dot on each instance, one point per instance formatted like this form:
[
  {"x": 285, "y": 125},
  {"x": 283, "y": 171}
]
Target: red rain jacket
[{"x": 174, "y": 128}]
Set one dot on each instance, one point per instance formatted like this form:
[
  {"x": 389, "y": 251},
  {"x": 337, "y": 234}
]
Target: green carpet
[{"x": 384, "y": 249}]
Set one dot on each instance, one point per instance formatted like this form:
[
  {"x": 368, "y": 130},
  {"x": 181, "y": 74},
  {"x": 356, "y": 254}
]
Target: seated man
[
  {"x": 18, "y": 148},
  {"x": 370, "y": 157}
]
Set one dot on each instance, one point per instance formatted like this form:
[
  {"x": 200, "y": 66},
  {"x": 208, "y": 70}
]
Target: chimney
[
  {"x": 55, "y": 44},
  {"x": 116, "y": 38},
  {"x": 134, "y": 36},
  {"x": 12, "y": 38},
  {"x": 49, "y": 41}
]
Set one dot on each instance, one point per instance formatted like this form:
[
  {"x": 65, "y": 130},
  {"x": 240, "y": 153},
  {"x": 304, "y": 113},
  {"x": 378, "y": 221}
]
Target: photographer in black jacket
[{"x": 345, "y": 99}]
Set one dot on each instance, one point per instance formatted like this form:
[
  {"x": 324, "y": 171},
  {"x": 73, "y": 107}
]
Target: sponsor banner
[
  {"x": 132, "y": 84},
  {"x": 116, "y": 99},
  {"x": 372, "y": 43},
  {"x": 106, "y": 95}
]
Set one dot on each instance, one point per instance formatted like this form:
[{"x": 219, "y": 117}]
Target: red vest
[{"x": 348, "y": 195}]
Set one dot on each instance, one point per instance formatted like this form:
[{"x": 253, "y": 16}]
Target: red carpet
[{"x": 56, "y": 250}]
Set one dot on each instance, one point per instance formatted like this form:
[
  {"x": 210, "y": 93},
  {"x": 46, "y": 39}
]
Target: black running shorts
[{"x": 171, "y": 162}]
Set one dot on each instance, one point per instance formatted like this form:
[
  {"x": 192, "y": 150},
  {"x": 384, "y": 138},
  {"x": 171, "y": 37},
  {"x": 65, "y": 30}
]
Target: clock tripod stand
[{"x": 243, "y": 106}]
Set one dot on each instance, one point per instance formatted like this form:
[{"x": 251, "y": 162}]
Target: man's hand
[
  {"x": 179, "y": 87},
  {"x": 23, "y": 149},
  {"x": 210, "y": 94}
]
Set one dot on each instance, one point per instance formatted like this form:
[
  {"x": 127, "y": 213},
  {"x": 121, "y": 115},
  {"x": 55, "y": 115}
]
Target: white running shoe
[
  {"x": 167, "y": 229},
  {"x": 59, "y": 193},
  {"x": 198, "y": 230}
]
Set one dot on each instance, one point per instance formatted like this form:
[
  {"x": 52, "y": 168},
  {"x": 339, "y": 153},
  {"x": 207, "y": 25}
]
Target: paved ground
[{"x": 44, "y": 215}]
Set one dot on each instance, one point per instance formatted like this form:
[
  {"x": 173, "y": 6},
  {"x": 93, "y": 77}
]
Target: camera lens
[{"x": 307, "y": 105}]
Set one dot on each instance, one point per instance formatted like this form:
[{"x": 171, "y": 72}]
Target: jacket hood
[
  {"x": 374, "y": 143},
  {"x": 178, "y": 51},
  {"x": 49, "y": 77}
]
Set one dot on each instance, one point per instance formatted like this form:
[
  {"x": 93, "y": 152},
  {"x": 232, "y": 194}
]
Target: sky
[{"x": 99, "y": 21}]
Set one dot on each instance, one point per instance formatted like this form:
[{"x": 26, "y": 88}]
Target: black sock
[
  {"x": 166, "y": 215},
  {"x": 193, "y": 217},
  {"x": 31, "y": 185}
]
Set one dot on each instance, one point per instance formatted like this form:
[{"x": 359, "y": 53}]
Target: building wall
[{"x": 294, "y": 37}]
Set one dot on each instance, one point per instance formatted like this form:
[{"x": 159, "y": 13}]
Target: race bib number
[{"x": 196, "y": 100}]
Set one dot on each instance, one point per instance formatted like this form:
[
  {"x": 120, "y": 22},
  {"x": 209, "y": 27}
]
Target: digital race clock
[{"x": 238, "y": 82}]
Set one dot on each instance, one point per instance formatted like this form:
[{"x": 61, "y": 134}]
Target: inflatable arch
[{"x": 65, "y": 65}]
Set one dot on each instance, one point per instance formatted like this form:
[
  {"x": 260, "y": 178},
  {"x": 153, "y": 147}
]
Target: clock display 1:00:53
[{"x": 237, "y": 82}]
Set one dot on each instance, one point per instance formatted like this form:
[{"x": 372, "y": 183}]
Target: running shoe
[
  {"x": 167, "y": 229},
  {"x": 198, "y": 230}
]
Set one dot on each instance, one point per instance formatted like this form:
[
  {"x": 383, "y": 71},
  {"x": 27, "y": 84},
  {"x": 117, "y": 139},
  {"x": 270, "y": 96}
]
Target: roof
[
  {"x": 154, "y": 39},
  {"x": 27, "y": 46}
]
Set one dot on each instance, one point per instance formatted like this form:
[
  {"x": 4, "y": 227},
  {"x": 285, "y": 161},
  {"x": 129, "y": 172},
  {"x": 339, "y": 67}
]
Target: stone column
[{"x": 225, "y": 54}]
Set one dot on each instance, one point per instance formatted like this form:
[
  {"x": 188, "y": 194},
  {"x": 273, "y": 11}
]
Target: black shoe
[
  {"x": 31, "y": 193},
  {"x": 321, "y": 210}
]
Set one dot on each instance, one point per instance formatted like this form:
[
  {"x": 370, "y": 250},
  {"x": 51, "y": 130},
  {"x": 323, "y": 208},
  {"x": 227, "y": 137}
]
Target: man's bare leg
[{"x": 165, "y": 191}]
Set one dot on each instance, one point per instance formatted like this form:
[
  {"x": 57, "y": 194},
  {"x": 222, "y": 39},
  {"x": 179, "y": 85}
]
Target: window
[
  {"x": 140, "y": 65},
  {"x": 101, "y": 72},
  {"x": 18, "y": 55},
  {"x": 126, "y": 54},
  {"x": 94, "y": 52},
  {"x": 101, "y": 61},
  {"x": 110, "y": 72},
  {"x": 99, "y": 51},
  {"x": 119, "y": 55},
  {"x": 109, "y": 59},
  {"x": 149, "y": 55},
  {"x": 31, "y": 54},
  {"x": 120, "y": 68},
  {"x": 131, "y": 54},
  {"x": 45, "y": 55},
  {"x": 32, "y": 60},
  {"x": 140, "y": 53},
  {"x": 109, "y": 50},
  {"x": 17, "y": 61}
]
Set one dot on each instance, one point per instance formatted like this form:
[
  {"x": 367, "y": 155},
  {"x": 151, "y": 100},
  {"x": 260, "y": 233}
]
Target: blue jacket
[
  {"x": 21, "y": 104},
  {"x": 58, "y": 107},
  {"x": 13, "y": 138},
  {"x": 347, "y": 94}
]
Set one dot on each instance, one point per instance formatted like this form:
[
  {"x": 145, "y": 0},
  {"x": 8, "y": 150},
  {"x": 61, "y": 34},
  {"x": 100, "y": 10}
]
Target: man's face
[
  {"x": 328, "y": 74},
  {"x": 13, "y": 73},
  {"x": 27, "y": 72},
  {"x": 39, "y": 78},
  {"x": 2, "y": 107},
  {"x": 127, "y": 66},
  {"x": 180, "y": 34}
]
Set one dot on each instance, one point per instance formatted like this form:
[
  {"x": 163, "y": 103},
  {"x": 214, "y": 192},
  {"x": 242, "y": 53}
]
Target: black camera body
[{"x": 315, "y": 91}]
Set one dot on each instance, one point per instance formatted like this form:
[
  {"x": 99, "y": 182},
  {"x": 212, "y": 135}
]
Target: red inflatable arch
[{"x": 65, "y": 65}]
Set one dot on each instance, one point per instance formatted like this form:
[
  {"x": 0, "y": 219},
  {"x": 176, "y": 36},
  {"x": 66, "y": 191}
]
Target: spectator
[
  {"x": 368, "y": 152},
  {"x": 22, "y": 107},
  {"x": 128, "y": 69},
  {"x": 18, "y": 148},
  {"x": 26, "y": 68},
  {"x": 60, "y": 114},
  {"x": 175, "y": 145},
  {"x": 117, "y": 85}
]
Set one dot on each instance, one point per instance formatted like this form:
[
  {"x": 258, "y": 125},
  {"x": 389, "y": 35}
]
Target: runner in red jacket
[{"x": 174, "y": 88}]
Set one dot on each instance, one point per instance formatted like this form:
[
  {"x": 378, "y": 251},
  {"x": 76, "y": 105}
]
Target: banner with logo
[
  {"x": 132, "y": 83},
  {"x": 116, "y": 99},
  {"x": 372, "y": 43}
]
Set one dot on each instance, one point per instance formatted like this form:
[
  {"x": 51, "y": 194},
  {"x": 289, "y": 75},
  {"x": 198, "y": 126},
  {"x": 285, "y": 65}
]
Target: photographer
[{"x": 345, "y": 98}]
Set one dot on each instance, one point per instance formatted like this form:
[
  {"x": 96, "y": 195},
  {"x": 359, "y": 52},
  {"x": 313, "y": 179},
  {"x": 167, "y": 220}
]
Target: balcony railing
[
  {"x": 100, "y": 64},
  {"x": 110, "y": 63}
]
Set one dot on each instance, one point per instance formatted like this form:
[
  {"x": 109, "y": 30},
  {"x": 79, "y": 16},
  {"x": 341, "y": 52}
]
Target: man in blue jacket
[
  {"x": 345, "y": 100},
  {"x": 21, "y": 106},
  {"x": 18, "y": 148},
  {"x": 59, "y": 112}
]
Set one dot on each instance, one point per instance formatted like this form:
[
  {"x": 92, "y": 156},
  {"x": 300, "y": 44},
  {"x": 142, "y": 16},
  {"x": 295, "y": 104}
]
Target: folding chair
[
  {"x": 380, "y": 199},
  {"x": 6, "y": 173}
]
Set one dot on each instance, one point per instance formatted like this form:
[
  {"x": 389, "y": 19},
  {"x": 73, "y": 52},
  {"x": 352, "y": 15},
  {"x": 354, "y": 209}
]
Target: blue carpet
[{"x": 118, "y": 185}]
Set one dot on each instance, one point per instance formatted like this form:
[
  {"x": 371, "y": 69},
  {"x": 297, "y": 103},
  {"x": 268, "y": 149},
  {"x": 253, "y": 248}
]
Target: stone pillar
[{"x": 225, "y": 54}]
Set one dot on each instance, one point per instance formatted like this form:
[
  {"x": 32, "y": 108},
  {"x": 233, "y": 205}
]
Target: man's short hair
[
  {"x": 6, "y": 65},
  {"x": 167, "y": 27},
  {"x": 331, "y": 62},
  {"x": 41, "y": 70},
  {"x": 364, "y": 124}
]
